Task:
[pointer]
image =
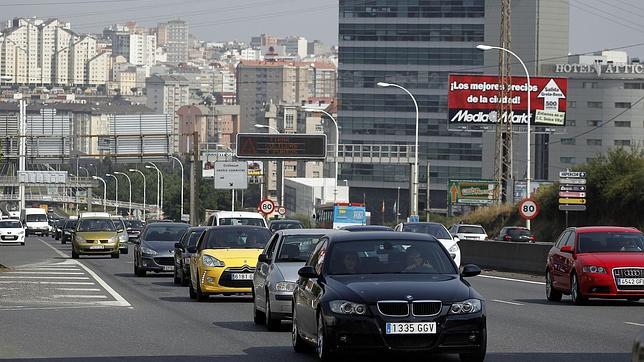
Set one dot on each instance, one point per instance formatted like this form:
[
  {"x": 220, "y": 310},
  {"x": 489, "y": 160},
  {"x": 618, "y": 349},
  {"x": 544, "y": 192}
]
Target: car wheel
[
  {"x": 23, "y": 244},
  {"x": 299, "y": 345},
  {"x": 116, "y": 254},
  {"x": 575, "y": 291},
  {"x": 176, "y": 279},
  {"x": 479, "y": 355},
  {"x": 184, "y": 279},
  {"x": 271, "y": 323},
  {"x": 258, "y": 315},
  {"x": 74, "y": 253},
  {"x": 63, "y": 241},
  {"x": 201, "y": 297},
  {"x": 322, "y": 347},
  {"x": 124, "y": 251},
  {"x": 551, "y": 293},
  {"x": 138, "y": 271},
  {"x": 191, "y": 291}
]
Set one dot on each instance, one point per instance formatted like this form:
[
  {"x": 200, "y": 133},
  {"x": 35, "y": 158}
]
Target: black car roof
[
  {"x": 197, "y": 228},
  {"x": 422, "y": 223},
  {"x": 367, "y": 228},
  {"x": 164, "y": 224},
  {"x": 380, "y": 235},
  {"x": 285, "y": 221},
  {"x": 248, "y": 227}
]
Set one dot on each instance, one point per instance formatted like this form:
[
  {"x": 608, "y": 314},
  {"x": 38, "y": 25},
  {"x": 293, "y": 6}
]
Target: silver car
[{"x": 276, "y": 273}]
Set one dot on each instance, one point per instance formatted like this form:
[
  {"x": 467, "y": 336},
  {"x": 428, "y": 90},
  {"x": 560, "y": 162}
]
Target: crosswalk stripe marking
[
  {"x": 61, "y": 277},
  {"x": 78, "y": 289},
  {"x": 52, "y": 283},
  {"x": 45, "y": 272},
  {"x": 79, "y": 296}
]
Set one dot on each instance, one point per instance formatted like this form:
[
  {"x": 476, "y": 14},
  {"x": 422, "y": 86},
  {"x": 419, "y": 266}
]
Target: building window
[
  {"x": 622, "y": 104},
  {"x": 590, "y": 85},
  {"x": 593, "y": 123},
  {"x": 567, "y": 160},
  {"x": 594, "y": 142},
  {"x": 594, "y": 105},
  {"x": 572, "y": 104},
  {"x": 288, "y": 119},
  {"x": 319, "y": 128},
  {"x": 571, "y": 123},
  {"x": 567, "y": 141},
  {"x": 624, "y": 124},
  {"x": 632, "y": 85},
  {"x": 622, "y": 143}
]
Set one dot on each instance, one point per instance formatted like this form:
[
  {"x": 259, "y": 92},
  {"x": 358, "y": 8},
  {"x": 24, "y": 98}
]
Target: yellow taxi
[{"x": 224, "y": 259}]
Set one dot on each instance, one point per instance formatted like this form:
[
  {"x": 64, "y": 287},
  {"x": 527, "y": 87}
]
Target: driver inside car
[{"x": 416, "y": 262}]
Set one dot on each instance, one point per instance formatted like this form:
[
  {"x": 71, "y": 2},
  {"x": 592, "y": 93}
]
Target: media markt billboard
[
  {"x": 471, "y": 192},
  {"x": 475, "y": 99}
]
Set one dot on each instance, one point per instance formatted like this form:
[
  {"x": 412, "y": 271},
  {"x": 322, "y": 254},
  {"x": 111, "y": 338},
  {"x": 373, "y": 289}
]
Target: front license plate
[
  {"x": 10, "y": 237},
  {"x": 168, "y": 268},
  {"x": 242, "y": 276},
  {"x": 630, "y": 281},
  {"x": 411, "y": 328},
  {"x": 97, "y": 247}
]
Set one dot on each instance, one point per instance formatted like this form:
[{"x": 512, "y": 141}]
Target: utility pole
[
  {"x": 428, "y": 195},
  {"x": 194, "y": 177}
]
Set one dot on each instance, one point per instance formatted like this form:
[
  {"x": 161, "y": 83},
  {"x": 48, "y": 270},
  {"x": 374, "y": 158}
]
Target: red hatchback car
[{"x": 596, "y": 262}]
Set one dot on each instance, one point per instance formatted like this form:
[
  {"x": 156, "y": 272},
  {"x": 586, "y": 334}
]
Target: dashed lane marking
[
  {"x": 79, "y": 296},
  {"x": 511, "y": 279},
  {"x": 44, "y": 272},
  {"x": 61, "y": 277},
  {"x": 506, "y": 302},
  {"x": 634, "y": 324}
]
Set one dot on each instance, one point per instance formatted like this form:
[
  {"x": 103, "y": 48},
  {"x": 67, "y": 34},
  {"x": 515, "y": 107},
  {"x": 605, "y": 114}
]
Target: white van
[
  {"x": 236, "y": 218},
  {"x": 35, "y": 221}
]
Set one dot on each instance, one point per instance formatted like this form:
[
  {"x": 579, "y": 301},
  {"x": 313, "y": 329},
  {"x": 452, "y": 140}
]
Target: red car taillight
[
  {"x": 507, "y": 238},
  {"x": 532, "y": 238}
]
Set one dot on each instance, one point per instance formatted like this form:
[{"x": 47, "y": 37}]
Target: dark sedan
[
  {"x": 383, "y": 291},
  {"x": 154, "y": 251},
  {"x": 182, "y": 255},
  {"x": 516, "y": 233},
  {"x": 281, "y": 224},
  {"x": 58, "y": 228},
  {"x": 133, "y": 228},
  {"x": 67, "y": 230},
  {"x": 366, "y": 228}
]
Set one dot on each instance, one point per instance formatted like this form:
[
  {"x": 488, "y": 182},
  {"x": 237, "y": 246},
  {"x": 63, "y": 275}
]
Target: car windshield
[
  {"x": 389, "y": 257},
  {"x": 286, "y": 225},
  {"x": 10, "y": 224},
  {"x": 241, "y": 221},
  {"x": 436, "y": 230},
  {"x": 470, "y": 230},
  {"x": 519, "y": 232},
  {"x": 133, "y": 224},
  {"x": 297, "y": 247},
  {"x": 70, "y": 224},
  {"x": 96, "y": 225},
  {"x": 164, "y": 232},
  {"x": 118, "y": 223},
  {"x": 238, "y": 238},
  {"x": 194, "y": 237},
  {"x": 611, "y": 242},
  {"x": 36, "y": 218}
]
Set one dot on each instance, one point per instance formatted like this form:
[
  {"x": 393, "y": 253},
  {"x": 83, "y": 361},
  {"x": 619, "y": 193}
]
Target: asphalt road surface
[{"x": 96, "y": 309}]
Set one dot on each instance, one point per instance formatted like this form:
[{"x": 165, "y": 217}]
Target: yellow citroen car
[
  {"x": 224, "y": 259},
  {"x": 95, "y": 234}
]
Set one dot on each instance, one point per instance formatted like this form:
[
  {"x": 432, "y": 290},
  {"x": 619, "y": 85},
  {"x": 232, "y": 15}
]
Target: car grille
[
  {"x": 628, "y": 273},
  {"x": 411, "y": 341},
  {"x": 164, "y": 261},
  {"x": 226, "y": 279},
  {"x": 394, "y": 308},
  {"x": 426, "y": 308}
]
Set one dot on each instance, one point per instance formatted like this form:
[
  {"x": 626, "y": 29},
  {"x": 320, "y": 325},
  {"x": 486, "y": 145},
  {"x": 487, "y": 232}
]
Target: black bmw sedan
[{"x": 384, "y": 291}]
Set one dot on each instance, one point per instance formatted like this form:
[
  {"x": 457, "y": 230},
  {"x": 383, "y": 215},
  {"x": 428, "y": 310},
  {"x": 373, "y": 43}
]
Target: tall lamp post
[
  {"x": 159, "y": 187},
  {"x": 337, "y": 145},
  {"x": 282, "y": 162},
  {"x": 142, "y": 175},
  {"x": 104, "y": 192},
  {"x": 527, "y": 74},
  {"x": 180, "y": 164},
  {"x": 116, "y": 194},
  {"x": 129, "y": 181},
  {"x": 414, "y": 191},
  {"x": 89, "y": 197}
]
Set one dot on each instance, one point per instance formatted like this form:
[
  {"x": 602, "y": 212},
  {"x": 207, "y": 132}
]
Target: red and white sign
[
  {"x": 528, "y": 209},
  {"x": 266, "y": 206},
  {"x": 475, "y": 99},
  {"x": 572, "y": 194},
  {"x": 281, "y": 210}
]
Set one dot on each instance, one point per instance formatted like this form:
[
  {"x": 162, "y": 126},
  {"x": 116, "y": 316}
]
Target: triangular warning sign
[{"x": 248, "y": 147}]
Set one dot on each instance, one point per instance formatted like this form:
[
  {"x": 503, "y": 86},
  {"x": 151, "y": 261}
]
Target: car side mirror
[
  {"x": 470, "y": 270},
  {"x": 263, "y": 258},
  {"x": 567, "y": 249},
  {"x": 192, "y": 249},
  {"x": 307, "y": 272},
  {"x": 178, "y": 246}
]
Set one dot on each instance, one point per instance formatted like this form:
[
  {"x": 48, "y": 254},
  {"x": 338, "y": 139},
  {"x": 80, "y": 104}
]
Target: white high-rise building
[{"x": 143, "y": 49}]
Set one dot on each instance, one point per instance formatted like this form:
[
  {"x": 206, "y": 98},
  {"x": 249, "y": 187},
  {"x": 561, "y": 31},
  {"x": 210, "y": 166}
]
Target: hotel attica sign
[{"x": 600, "y": 69}]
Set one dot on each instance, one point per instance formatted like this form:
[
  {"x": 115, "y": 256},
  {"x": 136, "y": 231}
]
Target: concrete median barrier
[{"x": 506, "y": 256}]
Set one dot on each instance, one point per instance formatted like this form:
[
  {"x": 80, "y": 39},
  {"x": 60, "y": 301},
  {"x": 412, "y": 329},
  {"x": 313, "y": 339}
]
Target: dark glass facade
[{"x": 415, "y": 44}]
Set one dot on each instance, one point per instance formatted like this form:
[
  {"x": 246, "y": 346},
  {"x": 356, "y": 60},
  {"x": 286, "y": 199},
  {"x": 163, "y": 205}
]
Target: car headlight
[
  {"x": 594, "y": 269},
  {"x": 21, "y": 232},
  {"x": 212, "y": 261},
  {"x": 123, "y": 237},
  {"x": 80, "y": 239},
  {"x": 285, "y": 287},
  {"x": 113, "y": 239},
  {"x": 346, "y": 307},
  {"x": 148, "y": 251},
  {"x": 466, "y": 307},
  {"x": 453, "y": 248}
]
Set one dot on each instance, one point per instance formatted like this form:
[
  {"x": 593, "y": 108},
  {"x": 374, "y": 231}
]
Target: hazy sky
[{"x": 595, "y": 24}]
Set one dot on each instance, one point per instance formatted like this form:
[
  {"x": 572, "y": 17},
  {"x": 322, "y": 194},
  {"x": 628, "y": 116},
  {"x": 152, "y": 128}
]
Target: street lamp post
[
  {"x": 104, "y": 192},
  {"x": 337, "y": 145},
  {"x": 414, "y": 191},
  {"x": 159, "y": 187},
  {"x": 142, "y": 175},
  {"x": 282, "y": 163},
  {"x": 116, "y": 194},
  {"x": 527, "y": 74},
  {"x": 180, "y": 164},
  {"x": 129, "y": 182}
]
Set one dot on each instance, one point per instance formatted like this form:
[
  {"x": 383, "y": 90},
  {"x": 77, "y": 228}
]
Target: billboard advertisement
[
  {"x": 475, "y": 99},
  {"x": 208, "y": 159},
  {"x": 471, "y": 192}
]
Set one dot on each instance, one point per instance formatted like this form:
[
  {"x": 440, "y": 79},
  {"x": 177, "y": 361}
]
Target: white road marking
[
  {"x": 15, "y": 308},
  {"x": 512, "y": 279},
  {"x": 80, "y": 296},
  {"x": 121, "y": 301},
  {"x": 48, "y": 269},
  {"x": 44, "y": 272},
  {"x": 505, "y": 302},
  {"x": 635, "y": 324},
  {"x": 78, "y": 289},
  {"x": 60, "y": 253},
  {"x": 61, "y": 277},
  {"x": 52, "y": 283}
]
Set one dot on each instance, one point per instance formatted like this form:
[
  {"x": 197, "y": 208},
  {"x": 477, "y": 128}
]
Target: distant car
[
  {"x": 275, "y": 225},
  {"x": 389, "y": 292},
  {"x": 67, "y": 231},
  {"x": 366, "y": 228},
  {"x": 224, "y": 259},
  {"x": 154, "y": 251},
  {"x": 58, "y": 228},
  {"x": 124, "y": 238},
  {"x": 182, "y": 255},
  {"x": 468, "y": 232},
  {"x": 95, "y": 235},
  {"x": 276, "y": 273},
  {"x": 220, "y": 218},
  {"x": 516, "y": 233},
  {"x": 638, "y": 348},
  {"x": 11, "y": 231},
  {"x": 596, "y": 262},
  {"x": 133, "y": 228},
  {"x": 438, "y": 231}
]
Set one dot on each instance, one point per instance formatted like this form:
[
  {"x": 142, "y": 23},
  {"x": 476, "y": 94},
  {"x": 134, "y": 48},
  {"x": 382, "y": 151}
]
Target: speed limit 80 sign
[
  {"x": 528, "y": 209},
  {"x": 266, "y": 206}
]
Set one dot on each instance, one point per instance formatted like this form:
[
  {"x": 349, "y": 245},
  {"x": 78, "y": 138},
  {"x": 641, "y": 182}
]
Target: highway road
[{"x": 54, "y": 307}]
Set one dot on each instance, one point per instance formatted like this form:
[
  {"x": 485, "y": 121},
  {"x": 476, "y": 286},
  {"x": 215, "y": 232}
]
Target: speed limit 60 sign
[
  {"x": 528, "y": 209},
  {"x": 266, "y": 206}
]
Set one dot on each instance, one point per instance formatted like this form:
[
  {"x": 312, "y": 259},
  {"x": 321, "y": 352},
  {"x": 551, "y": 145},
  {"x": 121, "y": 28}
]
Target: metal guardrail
[
  {"x": 72, "y": 200},
  {"x": 83, "y": 182},
  {"x": 372, "y": 153}
]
